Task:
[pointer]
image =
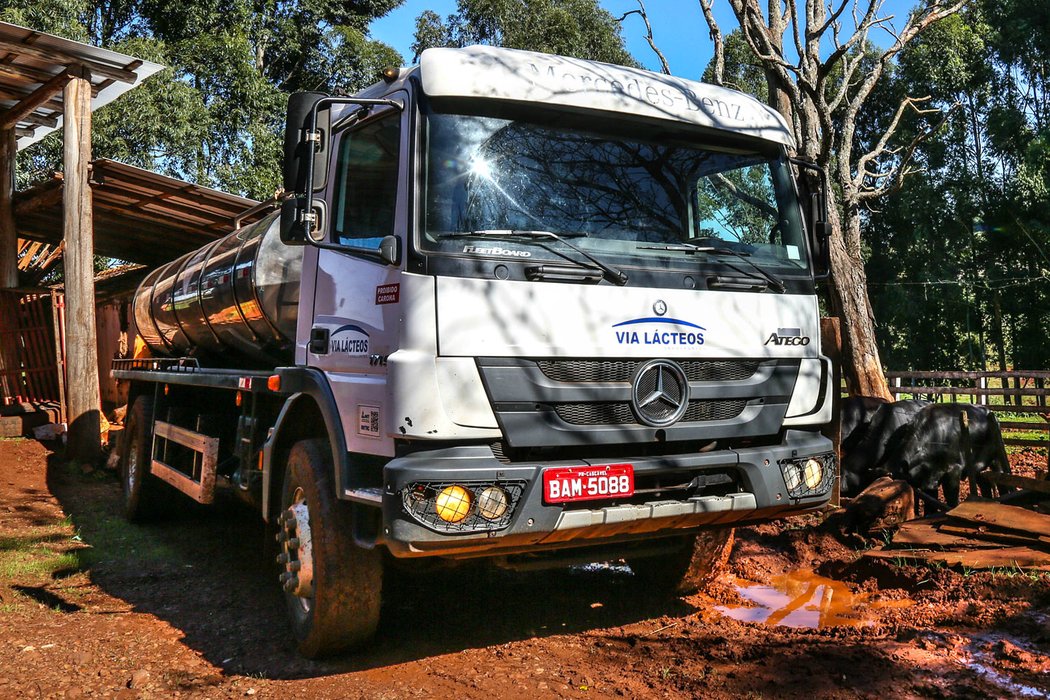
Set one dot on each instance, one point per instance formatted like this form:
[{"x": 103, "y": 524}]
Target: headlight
[
  {"x": 492, "y": 503},
  {"x": 452, "y": 504},
  {"x": 812, "y": 473}
]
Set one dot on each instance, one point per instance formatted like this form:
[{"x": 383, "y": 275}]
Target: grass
[{"x": 42, "y": 550}]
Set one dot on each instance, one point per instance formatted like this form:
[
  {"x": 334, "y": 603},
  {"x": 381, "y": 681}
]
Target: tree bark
[
  {"x": 8, "y": 232},
  {"x": 84, "y": 442},
  {"x": 849, "y": 301}
]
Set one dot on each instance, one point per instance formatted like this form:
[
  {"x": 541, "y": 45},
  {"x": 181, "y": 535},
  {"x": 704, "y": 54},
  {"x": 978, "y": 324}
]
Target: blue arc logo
[
  {"x": 351, "y": 327},
  {"x": 658, "y": 319}
]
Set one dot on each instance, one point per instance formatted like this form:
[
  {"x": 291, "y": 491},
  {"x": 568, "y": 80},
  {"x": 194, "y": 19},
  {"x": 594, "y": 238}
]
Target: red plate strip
[{"x": 568, "y": 484}]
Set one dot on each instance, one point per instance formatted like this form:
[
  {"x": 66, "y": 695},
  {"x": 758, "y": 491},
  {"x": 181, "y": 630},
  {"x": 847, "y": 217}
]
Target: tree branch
[
  {"x": 896, "y": 179},
  {"x": 649, "y": 34},
  {"x": 716, "y": 38}
]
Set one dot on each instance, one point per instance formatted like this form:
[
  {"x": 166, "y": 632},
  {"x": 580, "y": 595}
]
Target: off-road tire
[
  {"x": 144, "y": 493},
  {"x": 698, "y": 562},
  {"x": 343, "y": 610}
]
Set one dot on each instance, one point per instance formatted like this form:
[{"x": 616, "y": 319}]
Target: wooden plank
[
  {"x": 920, "y": 533},
  {"x": 1021, "y": 482},
  {"x": 1022, "y": 373},
  {"x": 999, "y": 515},
  {"x": 962, "y": 529},
  {"x": 1021, "y": 425},
  {"x": 1003, "y": 557},
  {"x": 177, "y": 479},
  {"x": 1039, "y": 410},
  {"x": 1024, "y": 442},
  {"x": 203, "y": 483},
  {"x": 967, "y": 391},
  {"x": 197, "y": 442}
]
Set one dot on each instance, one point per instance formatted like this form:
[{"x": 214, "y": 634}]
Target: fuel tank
[{"x": 233, "y": 302}]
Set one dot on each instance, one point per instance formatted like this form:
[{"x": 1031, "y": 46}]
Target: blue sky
[{"x": 678, "y": 29}]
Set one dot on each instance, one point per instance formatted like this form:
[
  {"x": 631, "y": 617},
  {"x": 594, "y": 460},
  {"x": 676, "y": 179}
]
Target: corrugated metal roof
[
  {"x": 139, "y": 216},
  {"x": 29, "y": 59}
]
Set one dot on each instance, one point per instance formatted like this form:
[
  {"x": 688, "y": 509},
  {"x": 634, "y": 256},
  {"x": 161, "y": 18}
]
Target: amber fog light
[
  {"x": 452, "y": 504},
  {"x": 492, "y": 503}
]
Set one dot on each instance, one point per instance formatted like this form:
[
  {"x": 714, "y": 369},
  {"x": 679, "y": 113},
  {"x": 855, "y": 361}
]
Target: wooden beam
[
  {"x": 8, "y": 232},
  {"x": 23, "y": 132},
  {"x": 84, "y": 443},
  {"x": 53, "y": 56},
  {"x": 38, "y": 119},
  {"x": 18, "y": 97},
  {"x": 28, "y": 104}
]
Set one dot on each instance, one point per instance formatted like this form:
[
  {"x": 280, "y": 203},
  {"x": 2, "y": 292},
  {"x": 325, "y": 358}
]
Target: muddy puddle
[{"x": 803, "y": 599}]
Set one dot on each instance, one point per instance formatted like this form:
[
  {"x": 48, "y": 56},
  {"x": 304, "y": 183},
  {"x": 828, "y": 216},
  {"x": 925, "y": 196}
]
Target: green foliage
[
  {"x": 577, "y": 28},
  {"x": 959, "y": 261},
  {"x": 215, "y": 115}
]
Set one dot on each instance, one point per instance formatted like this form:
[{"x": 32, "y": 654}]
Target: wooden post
[
  {"x": 831, "y": 345},
  {"x": 8, "y": 233},
  {"x": 84, "y": 442}
]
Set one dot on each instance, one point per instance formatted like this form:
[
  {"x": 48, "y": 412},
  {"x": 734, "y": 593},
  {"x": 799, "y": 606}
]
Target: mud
[{"x": 92, "y": 607}]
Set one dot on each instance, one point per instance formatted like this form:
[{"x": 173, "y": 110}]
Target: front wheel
[
  {"x": 332, "y": 586},
  {"x": 699, "y": 560}
]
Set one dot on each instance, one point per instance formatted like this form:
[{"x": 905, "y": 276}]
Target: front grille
[
  {"x": 612, "y": 371},
  {"x": 612, "y": 413},
  {"x": 714, "y": 410},
  {"x": 620, "y": 413}
]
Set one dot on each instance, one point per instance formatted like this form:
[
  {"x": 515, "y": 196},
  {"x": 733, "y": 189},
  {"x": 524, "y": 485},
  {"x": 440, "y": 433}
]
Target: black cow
[
  {"x": 856, "y": 414},
  {"x": 931, "y": 451},
  {"x": 863, "y": 460}
]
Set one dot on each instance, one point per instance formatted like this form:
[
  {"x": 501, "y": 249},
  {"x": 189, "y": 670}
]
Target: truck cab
[{"x": 545, "y": 310}]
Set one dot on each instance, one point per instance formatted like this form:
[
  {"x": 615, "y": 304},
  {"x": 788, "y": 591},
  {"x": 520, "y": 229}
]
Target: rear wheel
[
  {"x": 332, "y": 586},
  {"x": 143, "y": 492},
  {"x": 699, "y": 560}
]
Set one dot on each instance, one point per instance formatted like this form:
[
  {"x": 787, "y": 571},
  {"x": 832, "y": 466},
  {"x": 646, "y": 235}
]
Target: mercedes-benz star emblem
[
  {"x": 660, "y": 308},
  {"x": 660, "y": 393}
]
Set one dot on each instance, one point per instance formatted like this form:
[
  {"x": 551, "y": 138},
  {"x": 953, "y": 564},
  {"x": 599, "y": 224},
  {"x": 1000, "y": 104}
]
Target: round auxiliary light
[
  {"x": 813, "y": 473},
  {"x": 452, "y": 504},
  {"x": 492, "y": 503}
]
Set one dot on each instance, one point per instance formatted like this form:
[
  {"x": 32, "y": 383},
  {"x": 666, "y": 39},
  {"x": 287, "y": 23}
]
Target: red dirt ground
[{"x": 93, "y": 607}]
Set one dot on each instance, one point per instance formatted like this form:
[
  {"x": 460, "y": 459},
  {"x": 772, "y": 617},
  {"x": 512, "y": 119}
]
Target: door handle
[{"x": 319, "y": 341}]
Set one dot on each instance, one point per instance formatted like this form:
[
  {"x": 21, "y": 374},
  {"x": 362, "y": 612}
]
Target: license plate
[{"x": 564, "y": 484}]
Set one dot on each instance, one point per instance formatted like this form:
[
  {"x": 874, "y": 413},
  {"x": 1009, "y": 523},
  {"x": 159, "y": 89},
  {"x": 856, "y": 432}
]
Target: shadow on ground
[{"x": 208, "y": 572}]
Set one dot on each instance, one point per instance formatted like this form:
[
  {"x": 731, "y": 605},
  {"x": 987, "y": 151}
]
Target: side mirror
[
  {"x": 306, "y": 148},
  {"x": 813, "y": 186},
  {"x": 292, "y": 230},
  {"x": 390, "y": 250}
]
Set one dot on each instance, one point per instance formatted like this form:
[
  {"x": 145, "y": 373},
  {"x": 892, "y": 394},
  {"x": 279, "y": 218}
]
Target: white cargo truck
[{"x": 516, "y": 306}]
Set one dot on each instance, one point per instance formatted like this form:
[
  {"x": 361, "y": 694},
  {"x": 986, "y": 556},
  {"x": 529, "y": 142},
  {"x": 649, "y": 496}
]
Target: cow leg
[{"x": 951, "y": 488}]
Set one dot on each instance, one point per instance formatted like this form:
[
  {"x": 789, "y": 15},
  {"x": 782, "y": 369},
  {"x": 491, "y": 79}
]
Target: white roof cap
[{"x": 525, "y": 76}]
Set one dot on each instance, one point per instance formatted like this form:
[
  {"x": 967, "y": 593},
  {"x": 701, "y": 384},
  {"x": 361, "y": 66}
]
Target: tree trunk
[{"x": 849, "y": 300}]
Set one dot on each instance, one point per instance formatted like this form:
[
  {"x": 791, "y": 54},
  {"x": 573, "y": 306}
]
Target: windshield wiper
[
  {"x": 775, "y": 283},
  {"x": 617, "y": 277}
]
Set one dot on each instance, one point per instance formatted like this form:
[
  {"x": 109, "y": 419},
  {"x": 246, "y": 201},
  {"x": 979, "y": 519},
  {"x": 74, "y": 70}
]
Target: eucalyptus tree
[{"x": 821, "y": 71}]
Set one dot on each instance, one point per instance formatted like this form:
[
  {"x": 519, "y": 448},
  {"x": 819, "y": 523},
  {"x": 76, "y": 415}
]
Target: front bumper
[{"x": 762, "y": 494}]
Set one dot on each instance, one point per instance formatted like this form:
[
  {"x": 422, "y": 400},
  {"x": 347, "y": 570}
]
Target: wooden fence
[{"x": 1019, "y": 392}]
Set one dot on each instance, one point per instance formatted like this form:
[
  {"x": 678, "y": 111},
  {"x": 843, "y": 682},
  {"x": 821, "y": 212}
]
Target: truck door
[{"x": 353, "y": 327}]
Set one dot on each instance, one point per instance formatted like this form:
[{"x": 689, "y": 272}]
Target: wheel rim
[{"x": 296, "y": 540}]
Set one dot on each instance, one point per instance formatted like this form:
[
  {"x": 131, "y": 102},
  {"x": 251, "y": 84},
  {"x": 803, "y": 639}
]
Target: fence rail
[{"x": 1027, "y": 397}]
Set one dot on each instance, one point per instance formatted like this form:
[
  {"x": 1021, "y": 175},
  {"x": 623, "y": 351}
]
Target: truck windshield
[{"x": 658, "y": 203}]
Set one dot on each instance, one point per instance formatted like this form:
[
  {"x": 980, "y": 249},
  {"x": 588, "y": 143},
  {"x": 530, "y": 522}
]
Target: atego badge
[{"x": 788, "y": 336}]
